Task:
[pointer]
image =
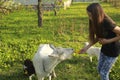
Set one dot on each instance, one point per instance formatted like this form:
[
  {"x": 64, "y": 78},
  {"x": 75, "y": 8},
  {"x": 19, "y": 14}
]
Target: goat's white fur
[
  {"x": 93, "y": 51},
  {"x": 47, "y": 58},
  {"x": 67, "y": 3}
]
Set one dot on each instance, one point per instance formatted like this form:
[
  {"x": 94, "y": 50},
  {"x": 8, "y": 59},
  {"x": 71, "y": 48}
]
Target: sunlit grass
[{"x": 20, "y": 37}]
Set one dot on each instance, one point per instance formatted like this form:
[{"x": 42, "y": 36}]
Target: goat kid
[{"x": 93, "y": 51}]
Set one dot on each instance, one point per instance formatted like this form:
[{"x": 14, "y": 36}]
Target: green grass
[{"x": 20, "y": 37}]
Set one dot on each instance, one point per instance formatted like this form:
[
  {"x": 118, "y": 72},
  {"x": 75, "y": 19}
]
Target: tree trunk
[
  {"x": 40, "y": 20},
  {"x": 54, "y": 9}
]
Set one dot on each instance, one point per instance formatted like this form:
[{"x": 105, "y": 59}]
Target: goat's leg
[
  {"x": 54, "y": 74},
  {"x": 30, "y": 77},
  {"x": 90, "y": 58},
  {"x": 40, "y": 78},
  {"x": 50, "y": 77}
]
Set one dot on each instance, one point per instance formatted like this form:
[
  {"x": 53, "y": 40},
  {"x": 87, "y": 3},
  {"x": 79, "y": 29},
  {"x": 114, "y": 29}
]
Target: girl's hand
[
  {"x": 82, "y": 51},
  {"x": 103, "y": 41}
]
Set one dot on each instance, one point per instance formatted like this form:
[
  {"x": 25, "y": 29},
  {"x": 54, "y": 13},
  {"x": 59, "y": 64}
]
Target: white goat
[
  {"x": 48, "y": 57},
  {"x": 67, "y": 3},
  {"x": 93, "y": 51}
]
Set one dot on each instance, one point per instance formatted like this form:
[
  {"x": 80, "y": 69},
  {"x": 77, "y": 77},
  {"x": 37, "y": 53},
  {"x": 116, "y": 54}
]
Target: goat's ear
[
  {"x": 54, "y": 55},
  {"x": 52, "y": 46}
]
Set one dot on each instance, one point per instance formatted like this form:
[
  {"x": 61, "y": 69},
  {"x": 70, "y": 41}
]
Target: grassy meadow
[{"x": 20, "y": 37}]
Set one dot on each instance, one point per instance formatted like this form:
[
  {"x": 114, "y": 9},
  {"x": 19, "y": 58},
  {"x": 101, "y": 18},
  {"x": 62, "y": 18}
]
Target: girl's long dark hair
[{"x": 98, "y": 16}]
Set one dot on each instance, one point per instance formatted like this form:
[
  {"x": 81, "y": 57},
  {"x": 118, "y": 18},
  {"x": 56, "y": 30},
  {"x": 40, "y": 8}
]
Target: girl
[{"x": 103, "y": 29}]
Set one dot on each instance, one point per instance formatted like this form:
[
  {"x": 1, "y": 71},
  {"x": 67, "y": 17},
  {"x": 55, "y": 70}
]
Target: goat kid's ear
[{"x": 54, "y": 56}]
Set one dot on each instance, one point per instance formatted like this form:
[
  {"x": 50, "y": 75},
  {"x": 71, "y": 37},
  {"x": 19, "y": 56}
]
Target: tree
[
  {"x": 116, "y": 3},
  {"x": 40, "y": 20},
  {"x": 7, "y": 6}
]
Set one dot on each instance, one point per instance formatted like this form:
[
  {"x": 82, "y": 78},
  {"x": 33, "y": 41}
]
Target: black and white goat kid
[
  {"x": 45, "y": 60},
  {"x": 28, "y": 68}
]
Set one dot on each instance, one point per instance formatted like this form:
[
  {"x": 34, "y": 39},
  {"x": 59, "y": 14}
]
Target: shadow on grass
[
  {"x": 78, "y": 68},
  {"x": 8, "y": 75}
]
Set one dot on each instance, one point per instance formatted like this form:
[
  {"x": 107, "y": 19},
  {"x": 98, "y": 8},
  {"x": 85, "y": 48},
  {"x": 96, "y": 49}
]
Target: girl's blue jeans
[{"x": 104, "y": 65}]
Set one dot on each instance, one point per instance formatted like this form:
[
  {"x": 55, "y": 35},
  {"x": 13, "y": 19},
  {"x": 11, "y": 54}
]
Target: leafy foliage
[{"x": 8, "y": 6}]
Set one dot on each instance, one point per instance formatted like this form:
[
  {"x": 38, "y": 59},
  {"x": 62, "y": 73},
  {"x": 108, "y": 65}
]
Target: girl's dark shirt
[{"x": 111, "y": 49}]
